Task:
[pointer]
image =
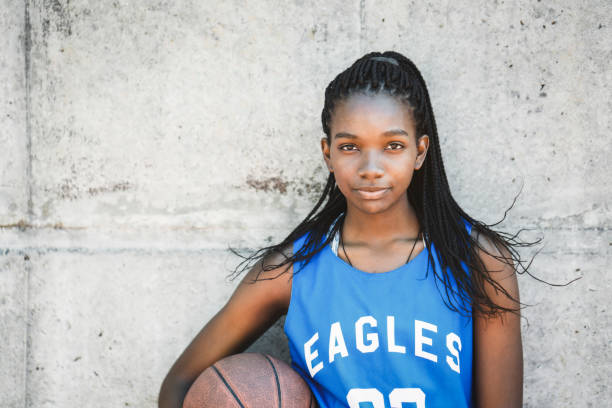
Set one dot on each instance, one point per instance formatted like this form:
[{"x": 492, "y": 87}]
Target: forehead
[{"x": 376, "y": 111}]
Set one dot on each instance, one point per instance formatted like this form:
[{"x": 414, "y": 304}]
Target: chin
[
  {"x": 376, "y": 206},
  {"x": 373, "y": 207}
]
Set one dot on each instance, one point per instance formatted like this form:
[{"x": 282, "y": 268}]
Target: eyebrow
[{"x": 391, "y": 132}]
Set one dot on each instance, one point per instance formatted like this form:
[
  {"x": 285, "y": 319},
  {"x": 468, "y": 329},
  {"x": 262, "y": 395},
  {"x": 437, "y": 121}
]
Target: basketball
[{"x": 249, "y": 380}]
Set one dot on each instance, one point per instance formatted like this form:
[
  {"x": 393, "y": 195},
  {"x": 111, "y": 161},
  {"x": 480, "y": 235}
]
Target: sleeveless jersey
[{"x": 378, "y": 340}]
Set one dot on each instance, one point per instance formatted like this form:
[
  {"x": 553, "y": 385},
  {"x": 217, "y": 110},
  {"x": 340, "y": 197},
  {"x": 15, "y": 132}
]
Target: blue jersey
[{"x": 377, "y": 340}]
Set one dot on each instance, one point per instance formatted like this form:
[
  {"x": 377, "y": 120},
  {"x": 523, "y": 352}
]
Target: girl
[{"x": 392, "y": 292}]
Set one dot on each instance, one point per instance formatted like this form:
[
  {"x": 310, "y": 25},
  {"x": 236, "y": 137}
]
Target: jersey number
[{"x": 396, "y": 397}]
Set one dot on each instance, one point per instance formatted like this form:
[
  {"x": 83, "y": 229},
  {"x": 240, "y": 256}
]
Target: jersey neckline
[{"x": 351, "y": 268}]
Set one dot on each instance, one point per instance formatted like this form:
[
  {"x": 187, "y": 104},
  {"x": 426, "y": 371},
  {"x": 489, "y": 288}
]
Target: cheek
[
  {"x": 344, "y": 175},
  {"x": 409, "y": 177},
  {"x": 403, "y": 173},
  {"x": 343, "y": 179}
]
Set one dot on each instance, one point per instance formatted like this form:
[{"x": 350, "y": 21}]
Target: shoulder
[
  {"x": 270, "y": 278},
  {"x": 498, "y": 355},
  {"x": 498, "y": 277}
]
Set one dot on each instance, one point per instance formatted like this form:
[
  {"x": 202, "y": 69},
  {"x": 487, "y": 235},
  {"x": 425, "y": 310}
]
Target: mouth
[{"x": 372, "y": 193}]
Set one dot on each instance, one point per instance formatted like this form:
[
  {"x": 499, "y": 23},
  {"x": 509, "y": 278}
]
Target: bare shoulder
[
  {"x": 498, "y": 350},
  {"x": 271, "y": 280},
  {"x": 500, "y": 268}
]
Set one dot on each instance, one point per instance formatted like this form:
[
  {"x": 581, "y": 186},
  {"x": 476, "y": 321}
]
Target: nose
[{"x": 371, "y": 166}]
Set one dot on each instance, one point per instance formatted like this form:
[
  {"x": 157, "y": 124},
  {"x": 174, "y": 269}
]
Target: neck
[{"x": 398, "y": 222}]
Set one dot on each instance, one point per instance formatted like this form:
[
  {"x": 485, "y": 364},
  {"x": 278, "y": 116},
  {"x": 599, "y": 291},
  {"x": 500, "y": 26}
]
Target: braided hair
[{"x": 439, "y": 215}]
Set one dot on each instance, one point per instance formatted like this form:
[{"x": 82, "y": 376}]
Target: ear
[
  {"x": 422, "y": 147},
  {"x": 325, "y": 148}
]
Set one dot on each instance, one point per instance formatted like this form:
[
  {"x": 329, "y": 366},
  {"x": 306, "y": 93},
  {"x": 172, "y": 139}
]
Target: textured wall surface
[{"x": 139, "y": 139}]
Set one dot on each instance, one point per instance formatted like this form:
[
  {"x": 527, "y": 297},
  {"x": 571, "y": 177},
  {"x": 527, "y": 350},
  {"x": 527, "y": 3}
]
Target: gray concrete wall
[{"x": 140, "y": 139}]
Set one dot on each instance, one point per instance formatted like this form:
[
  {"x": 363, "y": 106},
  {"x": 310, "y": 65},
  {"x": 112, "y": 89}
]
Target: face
[{"x": 373, "y": 151}]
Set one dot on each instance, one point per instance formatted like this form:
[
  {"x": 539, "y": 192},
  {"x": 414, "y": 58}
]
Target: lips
[{"x": 372, "y": 193}]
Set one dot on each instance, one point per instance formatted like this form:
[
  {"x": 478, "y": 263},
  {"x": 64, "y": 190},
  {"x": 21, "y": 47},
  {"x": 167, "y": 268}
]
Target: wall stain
[
  {"x": 68, "y": 190},
  {"x": 268, "y": 184},
  {"x": 302, "y": 187},
  {"x": 123, "y": 186},
  {"x": 23, "y": 225},
  {"x": 59, "y": 14}
]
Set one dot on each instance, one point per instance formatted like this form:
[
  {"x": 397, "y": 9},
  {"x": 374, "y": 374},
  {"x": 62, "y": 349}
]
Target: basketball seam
[
  {"x": 228, "y": 386},
  {"x": 277, "y": 382}
]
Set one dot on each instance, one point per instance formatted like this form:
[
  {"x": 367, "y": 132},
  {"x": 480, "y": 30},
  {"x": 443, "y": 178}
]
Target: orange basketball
[{"x": 249, "y": 380}]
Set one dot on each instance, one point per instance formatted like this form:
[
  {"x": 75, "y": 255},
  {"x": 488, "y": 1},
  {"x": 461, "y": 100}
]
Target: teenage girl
[{"x": 393, "y": 294}]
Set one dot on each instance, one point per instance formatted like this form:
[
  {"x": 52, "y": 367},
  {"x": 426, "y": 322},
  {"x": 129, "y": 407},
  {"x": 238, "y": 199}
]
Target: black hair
[{"x": 439, "y": 215}]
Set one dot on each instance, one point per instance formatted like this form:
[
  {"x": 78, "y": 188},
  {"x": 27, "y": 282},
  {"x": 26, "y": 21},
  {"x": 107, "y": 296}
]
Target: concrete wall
[{"x": 140, "y": 139}]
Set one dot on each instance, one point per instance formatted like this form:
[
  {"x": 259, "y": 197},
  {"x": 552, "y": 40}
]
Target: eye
[
  {"x": 395, "y": 146},
  {"x": 347, "y": 147}
]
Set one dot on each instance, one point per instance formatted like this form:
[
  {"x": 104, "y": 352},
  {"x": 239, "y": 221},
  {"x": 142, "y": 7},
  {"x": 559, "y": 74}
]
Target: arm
[
  {"x": 250, "y": 311},
  {"x": 498, "y": 350}
]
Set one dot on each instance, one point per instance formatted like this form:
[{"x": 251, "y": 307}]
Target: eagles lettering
[{"x": 367, "y": 340}]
